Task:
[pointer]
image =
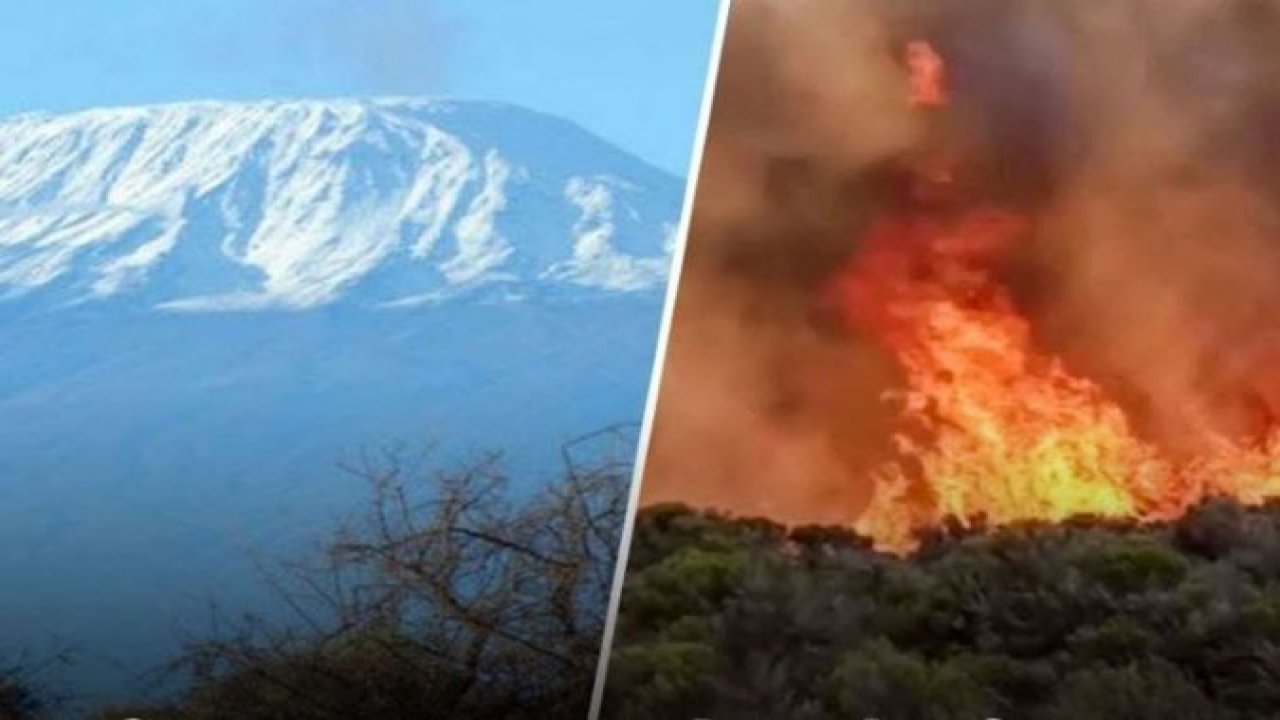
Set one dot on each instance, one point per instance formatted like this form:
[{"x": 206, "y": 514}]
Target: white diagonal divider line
[{"x": 651, "y": 404}]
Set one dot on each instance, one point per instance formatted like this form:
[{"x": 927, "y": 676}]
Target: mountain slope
[
  {"x": 205, "y": 307},
  {"x": 214, "y": 206}
]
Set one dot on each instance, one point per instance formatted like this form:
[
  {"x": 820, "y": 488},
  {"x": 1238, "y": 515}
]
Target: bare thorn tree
[{"x": 459, "y": 593}]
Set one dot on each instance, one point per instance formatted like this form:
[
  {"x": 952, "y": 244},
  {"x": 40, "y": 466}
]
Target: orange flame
[
  {"x": 928, "y": 75},
  {"x": 990, "y": 426}
]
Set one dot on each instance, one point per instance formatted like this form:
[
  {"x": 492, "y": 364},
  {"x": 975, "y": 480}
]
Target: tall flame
[
  {"x": 989, "y": 425},
  {"x": 927, "y": 75}
]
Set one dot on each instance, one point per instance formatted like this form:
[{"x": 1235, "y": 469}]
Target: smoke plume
[{"x": 1141, "y": 138}]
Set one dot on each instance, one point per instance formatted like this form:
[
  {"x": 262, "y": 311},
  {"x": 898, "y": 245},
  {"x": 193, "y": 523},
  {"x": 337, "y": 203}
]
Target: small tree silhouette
[{"x": 458, "y": 594}]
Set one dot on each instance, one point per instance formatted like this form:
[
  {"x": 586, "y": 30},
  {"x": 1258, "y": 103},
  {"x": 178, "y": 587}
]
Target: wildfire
[
  {"x": 989, "y": 425},
  {"x": 928, "y": 75}
]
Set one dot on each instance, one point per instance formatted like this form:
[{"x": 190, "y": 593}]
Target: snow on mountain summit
[{"x": 218, "y": 206}]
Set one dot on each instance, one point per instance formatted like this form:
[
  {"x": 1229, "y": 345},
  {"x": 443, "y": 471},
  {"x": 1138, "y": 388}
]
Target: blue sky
[{"x": 630, "y": 70}]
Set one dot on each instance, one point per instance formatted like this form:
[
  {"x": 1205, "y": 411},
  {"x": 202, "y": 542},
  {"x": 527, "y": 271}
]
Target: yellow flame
[{"x": 990, "y": 426}]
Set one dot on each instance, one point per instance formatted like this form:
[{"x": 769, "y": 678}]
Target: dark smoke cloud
[
  {"x": 1141, "y": 136},
  {"x": 758, "y": 401}
]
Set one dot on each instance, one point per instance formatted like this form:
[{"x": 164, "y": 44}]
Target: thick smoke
[
  {"x": 1141, "y": 137},
  {"x": 762, "y": 409}
]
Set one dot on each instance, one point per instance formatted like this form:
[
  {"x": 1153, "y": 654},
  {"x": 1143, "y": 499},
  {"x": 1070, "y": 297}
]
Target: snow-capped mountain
[
  {"x": 217, "y": 206},
  {"x": 206, "y": 307}
]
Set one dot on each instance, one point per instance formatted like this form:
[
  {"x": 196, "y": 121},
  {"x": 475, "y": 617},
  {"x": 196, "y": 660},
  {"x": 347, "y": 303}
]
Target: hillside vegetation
[{"x": 1089, "y": 619}]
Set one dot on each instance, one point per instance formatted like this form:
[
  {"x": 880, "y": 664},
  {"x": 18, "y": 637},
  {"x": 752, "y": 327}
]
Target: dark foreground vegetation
[
  {"x": 738, "y": 619},
  {"x": 458, "y": 595}
]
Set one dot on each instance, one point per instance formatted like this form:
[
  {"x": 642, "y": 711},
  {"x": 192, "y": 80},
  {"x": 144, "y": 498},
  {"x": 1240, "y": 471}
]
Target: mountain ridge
[{"x": 212, "y": 205}]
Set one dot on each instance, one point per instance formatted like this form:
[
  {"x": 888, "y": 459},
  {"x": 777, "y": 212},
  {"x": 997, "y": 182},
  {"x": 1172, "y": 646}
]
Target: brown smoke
[{"x": 1142, "y": 137}]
